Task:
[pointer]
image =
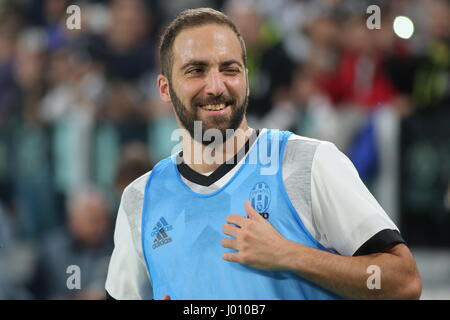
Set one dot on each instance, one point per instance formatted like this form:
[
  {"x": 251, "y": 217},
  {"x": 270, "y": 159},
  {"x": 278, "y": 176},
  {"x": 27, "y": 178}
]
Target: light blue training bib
[{"x": 182, "y": 231}]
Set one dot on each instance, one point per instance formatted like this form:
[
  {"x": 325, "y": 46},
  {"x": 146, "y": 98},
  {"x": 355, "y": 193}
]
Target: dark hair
[{"x": 188, "y": 19}]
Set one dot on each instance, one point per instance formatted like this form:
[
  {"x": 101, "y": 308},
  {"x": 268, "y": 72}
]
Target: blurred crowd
[{"x": 80, "y": 115}]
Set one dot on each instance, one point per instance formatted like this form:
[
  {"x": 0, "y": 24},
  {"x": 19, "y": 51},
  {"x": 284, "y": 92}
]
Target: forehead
[{"x": 212, "y": 43}]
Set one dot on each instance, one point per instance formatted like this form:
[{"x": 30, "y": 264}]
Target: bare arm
[
  {"x": 348, "y": 276},
  {"x": 261, "y": 246}
]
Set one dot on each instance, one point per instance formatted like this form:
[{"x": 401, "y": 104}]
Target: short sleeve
[
  {"x": 346, "y": 213},
  {"x": 127, "y": 274}
]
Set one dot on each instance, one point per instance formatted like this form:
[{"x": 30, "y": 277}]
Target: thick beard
[{"x": 188, "y": 116}]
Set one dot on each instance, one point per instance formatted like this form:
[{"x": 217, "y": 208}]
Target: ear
[{"x": 163, "y": 85}]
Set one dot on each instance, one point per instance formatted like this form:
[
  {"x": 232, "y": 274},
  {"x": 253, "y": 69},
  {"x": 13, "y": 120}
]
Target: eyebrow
[
  {"x": 200, "y": 63},
  {"x": 230, "y": 62},
  {"x": 194, "y": 63}
]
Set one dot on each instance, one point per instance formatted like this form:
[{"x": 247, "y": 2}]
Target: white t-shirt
[{"x": 322, "y": 184}]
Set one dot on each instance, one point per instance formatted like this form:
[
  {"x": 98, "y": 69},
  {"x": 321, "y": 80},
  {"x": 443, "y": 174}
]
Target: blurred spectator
[
  {"x": 126, "y": 48},
  {"x": 69, "y": 108},
  {"x": 431, "y": 86},
  {"x": 171, "y": 8},
  {"x": 55, "y": 13},
  {"x": 84, "y": 242},
  {"x": 423, "y": 76},
  {"x": 270, "y": 68},
  {"x": 134, "y": 162},
  {"x": 121, "y": 118},
  {"x": 31, "y": 175},
  {"x": 16, "y": 259},
  {"x": 162, "y": 125},
  {"x": 6, "y": 243},
  {"x": 360, "y": 78},
  {"x": 307, "y": 111},
  {"x": 9, "y": 28}
]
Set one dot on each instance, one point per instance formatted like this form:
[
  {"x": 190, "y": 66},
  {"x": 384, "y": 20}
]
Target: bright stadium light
[{"x": 403, "y": 27}]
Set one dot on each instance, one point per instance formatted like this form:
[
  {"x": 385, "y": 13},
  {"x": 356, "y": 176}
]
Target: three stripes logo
[{"x": 160, "y": 233}]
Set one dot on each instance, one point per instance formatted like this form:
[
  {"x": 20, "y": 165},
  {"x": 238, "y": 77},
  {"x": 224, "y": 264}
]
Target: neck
[{"x": 205, "y": 158}]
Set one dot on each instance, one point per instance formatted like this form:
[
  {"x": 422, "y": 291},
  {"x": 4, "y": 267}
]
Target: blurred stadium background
[{"x": 80, "y": 118}]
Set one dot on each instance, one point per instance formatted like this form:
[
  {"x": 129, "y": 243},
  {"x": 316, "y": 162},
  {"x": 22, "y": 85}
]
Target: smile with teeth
[{"x": 213, "y": 107}]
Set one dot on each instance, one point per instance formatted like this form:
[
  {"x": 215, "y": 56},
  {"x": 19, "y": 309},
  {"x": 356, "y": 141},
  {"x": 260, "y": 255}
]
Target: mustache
[{"x": 227, "y": 100}]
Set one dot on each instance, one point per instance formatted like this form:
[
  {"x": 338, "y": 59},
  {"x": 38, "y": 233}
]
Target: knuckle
[
  {"x": 234, "y": 218},
  {"x": 223, "y": 242},
  {"x": 244, "y": 247},
  {"x": 225, "y": 228},
  {"x": 246, "y": 258}
]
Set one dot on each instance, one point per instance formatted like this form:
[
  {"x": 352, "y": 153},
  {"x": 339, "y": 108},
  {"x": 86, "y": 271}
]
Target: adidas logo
[
  {"x": 160, "y": 231},
  {"x": 162, "y": 224}
]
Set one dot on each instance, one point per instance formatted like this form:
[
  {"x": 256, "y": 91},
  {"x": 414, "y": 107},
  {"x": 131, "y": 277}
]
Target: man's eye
[
  {"x": 231, "y": 70},
  {"x": 195, "y": 71}
]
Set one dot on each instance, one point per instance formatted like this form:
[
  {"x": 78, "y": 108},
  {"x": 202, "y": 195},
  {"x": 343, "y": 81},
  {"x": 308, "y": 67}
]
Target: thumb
[
  {"x": 166, "y": 297},
  {"x": 252, "y": 213}
]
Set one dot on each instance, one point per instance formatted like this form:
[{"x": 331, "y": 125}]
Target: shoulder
[
  {"x": 295, "y": 141},
  {"x": 317, "y": 153},
  {"x": 304, "y": 150},
  {"x": 304, "y": 157},
  {"x": 134, "y": 192},
  {"x": 136, "y": 189}
]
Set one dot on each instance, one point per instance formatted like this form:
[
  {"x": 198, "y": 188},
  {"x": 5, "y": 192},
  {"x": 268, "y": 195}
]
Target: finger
[
  {"x": 230, "y": 256},
  {"x": 252, "y": 213},
  {"x": 230, "y": 230},
  {"x": 229, "y": 243},
  {"x": 236, "y": 219},
  {"x": 166, "y": 297}
]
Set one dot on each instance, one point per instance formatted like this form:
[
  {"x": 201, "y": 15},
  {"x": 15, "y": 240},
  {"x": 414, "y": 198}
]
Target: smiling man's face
[{"x": 208, "y": 81}]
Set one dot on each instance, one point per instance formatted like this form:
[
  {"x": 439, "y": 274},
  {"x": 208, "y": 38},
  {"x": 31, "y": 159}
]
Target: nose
[{"x": 215, "y": 84}]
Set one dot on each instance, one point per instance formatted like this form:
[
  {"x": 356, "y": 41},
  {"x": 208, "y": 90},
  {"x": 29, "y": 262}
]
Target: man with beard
[{"x": 193, "y": 228}]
